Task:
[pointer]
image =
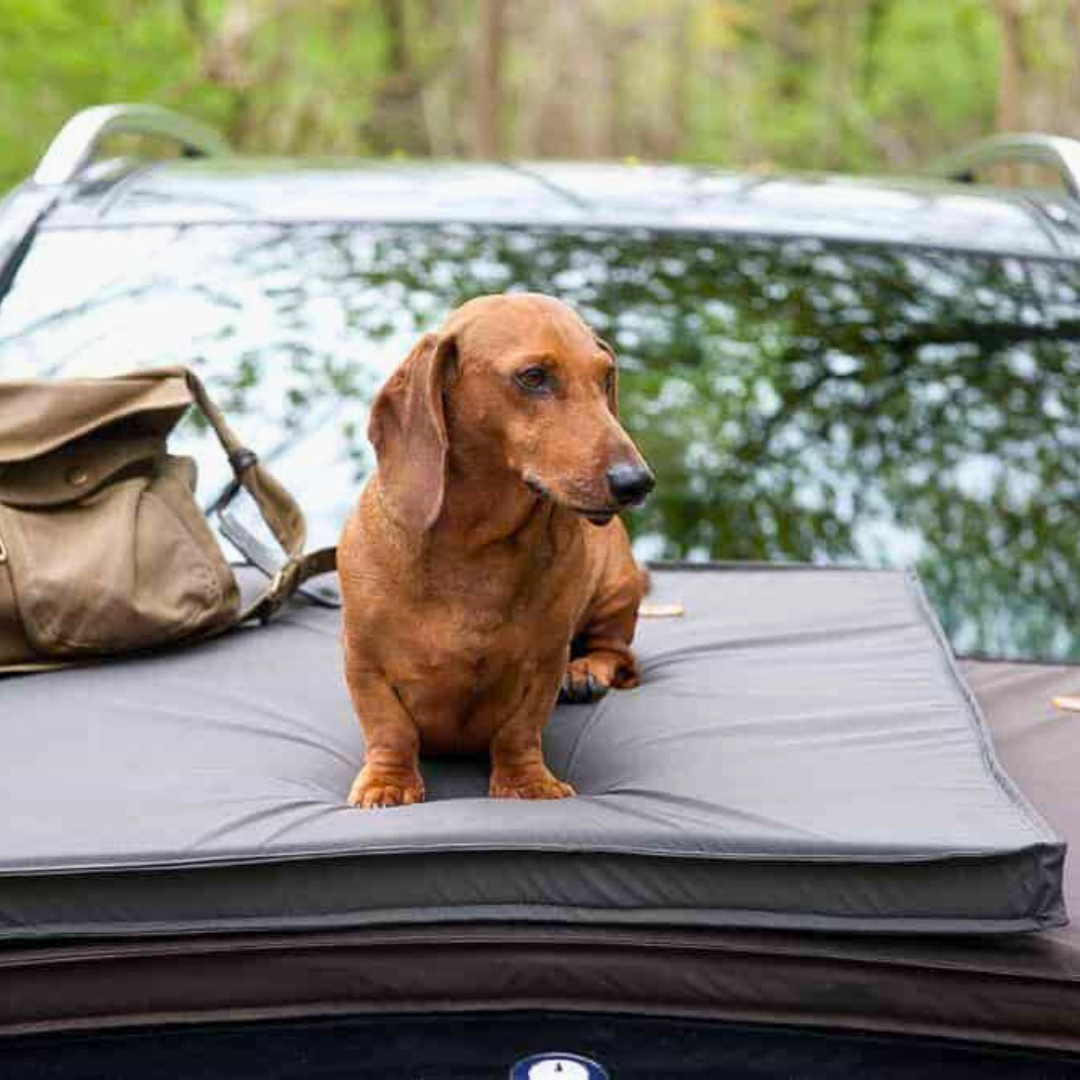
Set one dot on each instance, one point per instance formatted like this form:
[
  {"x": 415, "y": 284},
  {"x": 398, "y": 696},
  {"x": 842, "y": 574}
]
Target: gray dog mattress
[{"x": 802, "y": 754}]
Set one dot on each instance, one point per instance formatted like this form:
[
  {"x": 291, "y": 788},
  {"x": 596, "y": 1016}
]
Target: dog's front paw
[
  {"x": 588, "y": 678},
  {"x": 374, "y": 788},
  {"x": 531, "y": 785},
  {"x": 586, "y": 681}
]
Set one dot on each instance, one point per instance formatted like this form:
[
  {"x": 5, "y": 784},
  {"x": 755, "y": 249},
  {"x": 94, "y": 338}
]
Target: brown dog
[{"x": 486, "y": 544}]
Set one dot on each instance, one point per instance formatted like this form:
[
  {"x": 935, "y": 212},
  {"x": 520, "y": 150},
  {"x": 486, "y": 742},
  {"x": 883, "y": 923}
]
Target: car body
[{"x": 819, "y": 368}]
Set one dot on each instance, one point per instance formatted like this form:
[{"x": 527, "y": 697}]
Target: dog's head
[{"x": 523, "y": 390}]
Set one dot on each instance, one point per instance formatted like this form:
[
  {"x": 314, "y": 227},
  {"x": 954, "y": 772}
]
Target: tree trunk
[
  {"x": 393, "y": 12},
  {"x": 1069, "y": 116},
  {"x": 838, "y": 102},
  {"x": 679, "y": 87},
  {"x": 1012, "y": 72},
  {"x": 397, "y": 122},
  {"x": 1012, "y": 81},
  {"x": 487, "y": 79}
]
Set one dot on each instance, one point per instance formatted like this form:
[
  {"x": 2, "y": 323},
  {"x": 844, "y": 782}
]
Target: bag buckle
[
  {"x": 282, "y": 586},
  {"x": 242, "y": 459}
]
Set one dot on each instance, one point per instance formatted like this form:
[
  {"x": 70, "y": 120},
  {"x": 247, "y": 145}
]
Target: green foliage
[
  {"x": 932, "y": 69},
  {"x": 298, "y": 83},
  {"x": 58, "y": 56},
  {"x": 850, "y": 85}
]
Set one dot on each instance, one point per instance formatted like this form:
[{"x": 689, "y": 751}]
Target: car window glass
[{"x": 797, "y": 400}]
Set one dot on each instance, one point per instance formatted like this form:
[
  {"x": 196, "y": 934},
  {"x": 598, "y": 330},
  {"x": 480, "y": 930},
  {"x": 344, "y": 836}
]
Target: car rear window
[{"x": 797, "y": 400}]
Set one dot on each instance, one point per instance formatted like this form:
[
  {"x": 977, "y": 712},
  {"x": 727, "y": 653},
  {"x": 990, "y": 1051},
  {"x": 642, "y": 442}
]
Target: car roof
[{"x": 581, "y": 196}]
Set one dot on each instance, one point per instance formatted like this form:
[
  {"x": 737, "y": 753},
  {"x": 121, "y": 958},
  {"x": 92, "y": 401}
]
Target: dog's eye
[{"x": 532, "y": 378}]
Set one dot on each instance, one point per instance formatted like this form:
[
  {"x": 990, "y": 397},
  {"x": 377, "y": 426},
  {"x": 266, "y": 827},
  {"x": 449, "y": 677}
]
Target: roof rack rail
[
  {"x": 77, "y": 142},
  {"x": 1032, "y": 148}
]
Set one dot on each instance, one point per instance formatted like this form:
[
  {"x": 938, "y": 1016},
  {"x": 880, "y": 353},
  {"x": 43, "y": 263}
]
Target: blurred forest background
[{"x": 852, "y": 85}]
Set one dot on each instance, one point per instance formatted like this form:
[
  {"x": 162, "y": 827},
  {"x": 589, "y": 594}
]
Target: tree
[
  {"x": 852, "y": 85},
  {"x": 487, "y": 79}
]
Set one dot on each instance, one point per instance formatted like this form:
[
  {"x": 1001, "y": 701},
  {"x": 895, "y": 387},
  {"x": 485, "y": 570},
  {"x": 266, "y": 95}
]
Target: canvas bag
[{"x": 103, "y": 547}]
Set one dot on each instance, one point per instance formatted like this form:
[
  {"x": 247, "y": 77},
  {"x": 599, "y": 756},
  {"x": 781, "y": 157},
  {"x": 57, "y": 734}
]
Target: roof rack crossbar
[
  {"x": 1054, "y": 151},
  {"x": 77, "y": 142}
]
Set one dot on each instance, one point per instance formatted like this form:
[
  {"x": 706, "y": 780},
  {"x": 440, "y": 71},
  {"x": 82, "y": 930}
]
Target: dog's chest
[
  {"x": 487, "y": 628},
  {"x": 472, "y": 656},
  {"x": 462, "y": 691}
]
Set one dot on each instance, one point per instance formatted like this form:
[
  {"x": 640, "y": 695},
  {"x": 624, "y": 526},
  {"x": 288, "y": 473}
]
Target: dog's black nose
[{"x": 630, "y": 484}]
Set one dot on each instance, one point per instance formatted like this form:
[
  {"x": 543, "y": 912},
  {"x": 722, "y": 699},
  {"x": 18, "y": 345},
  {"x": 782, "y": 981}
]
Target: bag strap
[{"x": 278, "y": 508}]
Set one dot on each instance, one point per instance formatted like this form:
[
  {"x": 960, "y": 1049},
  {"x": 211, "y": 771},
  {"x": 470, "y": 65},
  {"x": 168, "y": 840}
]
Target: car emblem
[{"x": 557, "y": 1067}]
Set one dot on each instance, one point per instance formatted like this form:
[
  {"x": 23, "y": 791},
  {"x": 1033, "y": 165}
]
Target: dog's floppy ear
[
  {"x": 408, "y": 430},
  {"x": 613, "y": 389}
]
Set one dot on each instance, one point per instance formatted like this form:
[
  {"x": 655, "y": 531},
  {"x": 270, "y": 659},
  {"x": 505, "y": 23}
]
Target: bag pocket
[{"x": 130, "y": 565}]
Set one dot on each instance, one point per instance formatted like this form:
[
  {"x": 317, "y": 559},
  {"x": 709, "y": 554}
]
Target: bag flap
[
  {"x": 75, "y": 470},
  {"x": 38, "y": 415}
]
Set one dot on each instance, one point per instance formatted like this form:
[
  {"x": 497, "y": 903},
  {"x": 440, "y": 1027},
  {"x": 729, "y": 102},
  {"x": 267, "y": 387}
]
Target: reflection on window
[{"x": 796, "y": 400}]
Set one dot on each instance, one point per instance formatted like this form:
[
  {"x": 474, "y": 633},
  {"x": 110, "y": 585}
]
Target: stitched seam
[{"x": 976, "y": 721}]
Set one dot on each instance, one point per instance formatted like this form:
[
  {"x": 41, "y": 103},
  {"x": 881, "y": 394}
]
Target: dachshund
[{"x": 484, "y": 569}]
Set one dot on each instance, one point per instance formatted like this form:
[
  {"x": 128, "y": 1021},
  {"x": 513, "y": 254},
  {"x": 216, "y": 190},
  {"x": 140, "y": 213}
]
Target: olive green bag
[{"x": 103, "y": 547}]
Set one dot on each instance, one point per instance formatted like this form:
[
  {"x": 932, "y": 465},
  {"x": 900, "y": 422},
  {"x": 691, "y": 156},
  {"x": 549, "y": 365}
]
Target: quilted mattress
[{"x": 802, "y": 754}]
